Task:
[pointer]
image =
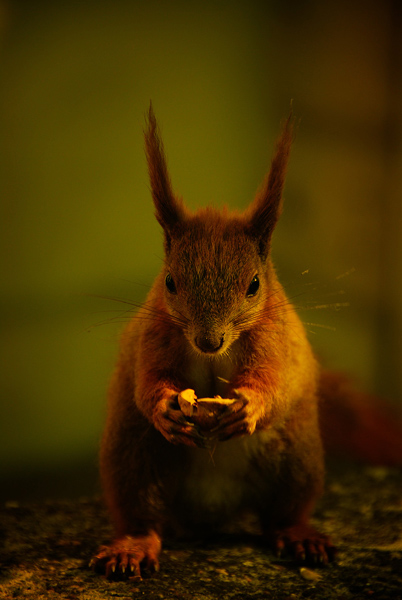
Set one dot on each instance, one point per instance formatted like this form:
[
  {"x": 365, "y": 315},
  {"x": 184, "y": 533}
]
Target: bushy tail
[{"x": 358, "y": 426}]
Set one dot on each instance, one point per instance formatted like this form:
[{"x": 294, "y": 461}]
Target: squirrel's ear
[
  {"x": 169, "y": 211},
  {"x": 264, "y": 212}
]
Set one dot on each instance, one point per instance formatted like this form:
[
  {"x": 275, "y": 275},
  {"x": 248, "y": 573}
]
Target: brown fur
[{"x": 205, "y": 326}]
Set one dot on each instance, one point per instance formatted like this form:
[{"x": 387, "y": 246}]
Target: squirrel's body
[
  {"x": 243, "y": 472},
  {"x": 216, "y": 321}
]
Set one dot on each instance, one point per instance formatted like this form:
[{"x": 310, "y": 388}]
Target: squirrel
[{"x": 216, "y": 322}]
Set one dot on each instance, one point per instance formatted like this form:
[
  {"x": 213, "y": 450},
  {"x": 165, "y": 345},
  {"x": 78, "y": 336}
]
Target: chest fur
[
  {"x": 218, "y": 482},
  {"x": 210, "y": 376}
]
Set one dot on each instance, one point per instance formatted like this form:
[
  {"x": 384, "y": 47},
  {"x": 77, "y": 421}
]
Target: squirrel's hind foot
[
  {"x": 127, "y": 555},
  {"x": 304, "y": 543}
]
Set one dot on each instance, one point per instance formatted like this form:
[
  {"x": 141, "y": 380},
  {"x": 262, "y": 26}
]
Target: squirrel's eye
[
  {"x": 253, "y": 287},
  {"x": 170, "y": 284}
]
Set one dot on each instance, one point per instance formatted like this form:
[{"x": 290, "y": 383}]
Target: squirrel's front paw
[
  {"x": 126, "y": 555},
  {"x": 173, "y": 425},
  {"x": 240, "y": 418}
]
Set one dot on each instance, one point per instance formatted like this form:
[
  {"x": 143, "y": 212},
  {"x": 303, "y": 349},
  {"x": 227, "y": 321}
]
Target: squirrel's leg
[
  {"x": 132, "y": 491},
  {"x": 298, "y": 483},
  {"x": 292, "y": 534}
]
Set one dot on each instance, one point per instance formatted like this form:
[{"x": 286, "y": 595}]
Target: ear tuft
[
  {"x": 168, "y": 209},
  {"x": 266, "y": 209}
]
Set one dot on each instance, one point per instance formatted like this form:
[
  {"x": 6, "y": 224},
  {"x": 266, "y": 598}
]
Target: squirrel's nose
[{"x": 209, "y": 344}]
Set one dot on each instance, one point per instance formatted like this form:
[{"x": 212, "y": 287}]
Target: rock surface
[{"x": 46, "y": 548}]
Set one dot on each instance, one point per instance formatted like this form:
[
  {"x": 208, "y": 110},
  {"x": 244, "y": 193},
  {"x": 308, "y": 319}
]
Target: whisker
[
  {"x": 147, "y": 312},
  {"x": 276, "y": 311},
  {"x": 334, "y": 305},
  {"x": 184, "y": 320},
  {"x": 114, "y": 299},
  {"x": 321, "y": 325}
]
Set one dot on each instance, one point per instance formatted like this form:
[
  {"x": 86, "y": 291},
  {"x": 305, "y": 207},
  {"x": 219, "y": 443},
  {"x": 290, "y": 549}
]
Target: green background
[{"x": 77, "y": 219}]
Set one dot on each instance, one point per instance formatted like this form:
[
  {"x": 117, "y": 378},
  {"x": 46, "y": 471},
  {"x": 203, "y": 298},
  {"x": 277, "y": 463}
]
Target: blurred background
[{"x": 77, "y": 220}]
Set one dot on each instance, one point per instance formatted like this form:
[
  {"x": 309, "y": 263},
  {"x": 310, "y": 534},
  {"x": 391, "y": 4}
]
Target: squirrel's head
[{"x": 218, "y": 274}]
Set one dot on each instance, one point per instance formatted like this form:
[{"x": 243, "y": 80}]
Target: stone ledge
[{"x": 46, "y": 549}]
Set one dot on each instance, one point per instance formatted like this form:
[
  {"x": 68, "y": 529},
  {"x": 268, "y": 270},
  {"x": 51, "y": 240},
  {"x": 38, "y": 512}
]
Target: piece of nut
[
  {"x": 187, "y": 400},
  {"x": 202, "y": 411}
]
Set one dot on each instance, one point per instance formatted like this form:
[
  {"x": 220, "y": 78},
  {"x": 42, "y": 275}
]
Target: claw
[
  {"x": 323, "y": 558},
  {"x": 280, "y": 548},
  {"x": 299, "y": 552}
]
